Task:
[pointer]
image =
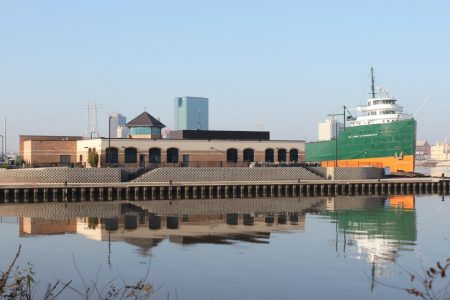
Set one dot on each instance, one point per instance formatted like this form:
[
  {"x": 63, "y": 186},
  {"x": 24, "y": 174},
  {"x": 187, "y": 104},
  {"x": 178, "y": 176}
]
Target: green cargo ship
[{"x": 381, "y": 136}]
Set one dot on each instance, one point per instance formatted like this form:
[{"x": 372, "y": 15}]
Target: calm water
[{"x": 282, "y": 248}]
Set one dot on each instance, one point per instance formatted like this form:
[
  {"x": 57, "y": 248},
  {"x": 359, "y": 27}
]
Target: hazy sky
[{"x": 285, "y": 64}]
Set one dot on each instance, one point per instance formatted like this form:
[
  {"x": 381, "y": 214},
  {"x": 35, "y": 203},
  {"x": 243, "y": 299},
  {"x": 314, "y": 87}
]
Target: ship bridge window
[
  {"x": 387, "y": 112},
  {"x": 376, "y": 102}
]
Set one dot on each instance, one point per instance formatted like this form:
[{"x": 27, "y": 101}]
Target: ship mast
[{"x": 372, "y": 78}]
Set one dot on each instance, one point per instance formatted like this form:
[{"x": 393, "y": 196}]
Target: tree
[
  {"x": 93, "y": 159},
  {"x": 18, "y": 160}
]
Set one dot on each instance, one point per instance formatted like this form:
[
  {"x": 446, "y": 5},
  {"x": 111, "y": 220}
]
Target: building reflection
[
  {"x": 40, "y": 226},
  {"x": 226, "y": 228},
  {"x": 376, "y": 228}
]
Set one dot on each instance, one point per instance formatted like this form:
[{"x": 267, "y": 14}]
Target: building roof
[
  {"x": 219, "y": 135},
  {"x": 145, "y": 120},
  {"x": 421, "y": 143}
]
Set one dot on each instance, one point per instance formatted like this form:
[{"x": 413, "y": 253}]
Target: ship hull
[{"x": 390, "y": 145}]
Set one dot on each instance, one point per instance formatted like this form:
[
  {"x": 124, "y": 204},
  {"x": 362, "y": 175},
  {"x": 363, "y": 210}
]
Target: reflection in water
[
  {"x": 376, "y": 227},
  {"x": 380, "y": 229}
]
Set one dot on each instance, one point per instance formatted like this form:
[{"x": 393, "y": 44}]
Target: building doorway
[{"x": 142, "y": 160}]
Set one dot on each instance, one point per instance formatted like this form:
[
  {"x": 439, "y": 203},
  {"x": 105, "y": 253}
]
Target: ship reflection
[
  {"x": 373, "y": 228},
  {"x": 377, "y": 232}
]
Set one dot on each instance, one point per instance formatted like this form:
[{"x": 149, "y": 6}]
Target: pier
[{"x": 136, "y": 191}]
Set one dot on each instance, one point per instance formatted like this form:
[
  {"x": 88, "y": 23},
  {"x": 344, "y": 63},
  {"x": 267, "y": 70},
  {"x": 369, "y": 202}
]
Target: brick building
[
  {"x": 144, "y": 146},
  {"x": 48, "y": 150}
]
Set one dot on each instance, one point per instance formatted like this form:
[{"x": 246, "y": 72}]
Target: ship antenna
[{"x": 373, "y": 82}]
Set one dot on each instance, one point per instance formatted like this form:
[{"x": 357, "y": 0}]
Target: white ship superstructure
[{"x": 381, "y": 108}]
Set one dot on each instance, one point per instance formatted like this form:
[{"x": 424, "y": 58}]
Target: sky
[{"x": 282, "y": 64}]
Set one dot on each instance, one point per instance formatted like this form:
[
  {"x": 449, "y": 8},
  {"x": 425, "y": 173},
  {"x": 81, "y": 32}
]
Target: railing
[
  {"x": 192, "y": 164},
  {"x": 352, "y": 164},
  {"x": 200, "y": 164},
  {"x": 45, "y": 165}
]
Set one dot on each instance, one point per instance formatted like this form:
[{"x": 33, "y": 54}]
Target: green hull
[
  {"x": 366, "y": 141},
  {"x": 383, "y": 222}
]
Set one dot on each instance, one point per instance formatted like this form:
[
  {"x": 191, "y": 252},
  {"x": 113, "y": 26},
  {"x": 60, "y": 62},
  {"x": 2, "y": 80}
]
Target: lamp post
[
  {"x": 220, "y": 151},
  {"x": 336, "y": 137},
  {"x": 3, "y": 153},
  {"x": 336, "y": 131},
  {"x": 108, "y": 156}
]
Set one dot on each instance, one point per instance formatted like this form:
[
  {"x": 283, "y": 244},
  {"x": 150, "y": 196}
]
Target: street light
[
  {"x": 108, "y": 153},
  {"x": 3, "y": 153},
  {"x": 350, "y": 117}
]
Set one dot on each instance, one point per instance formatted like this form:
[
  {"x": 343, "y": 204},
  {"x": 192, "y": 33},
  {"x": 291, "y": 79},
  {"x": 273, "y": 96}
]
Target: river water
[{"x": 281, "y": 248}]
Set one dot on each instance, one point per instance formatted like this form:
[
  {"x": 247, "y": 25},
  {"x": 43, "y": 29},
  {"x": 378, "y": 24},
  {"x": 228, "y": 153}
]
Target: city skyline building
[
  {"x": 327, "y": 129},
  {"x": 191, "y": 113},
  {"x": 118, "y": 121}
]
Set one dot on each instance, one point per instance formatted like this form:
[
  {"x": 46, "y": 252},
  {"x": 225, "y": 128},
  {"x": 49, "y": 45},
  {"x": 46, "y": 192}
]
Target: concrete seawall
[
  {"x": 137, "y": 191},
  {"x": 115, "y": 175}
]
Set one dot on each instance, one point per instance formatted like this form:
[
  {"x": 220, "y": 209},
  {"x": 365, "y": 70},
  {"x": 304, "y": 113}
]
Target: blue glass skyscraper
[{"x": 191, "y": 113}]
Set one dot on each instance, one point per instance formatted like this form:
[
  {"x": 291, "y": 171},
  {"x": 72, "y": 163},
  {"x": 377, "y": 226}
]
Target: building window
[
  {"x": 172, "y": 155},
  {"x": 112, "y": 155},
  {"x": 249, "y": 154},
  {"x": 140, "y": 130},
  {"x": 281, "y": 154},
  {"x": 293, "y": 155},
  {"x": 269, "y": 155},
  {"x": 156, "y": 131},
  {"x": 232, "y": 155},
  {"x": 130, "y": 155},
  {"x": 154, "y": 155}
]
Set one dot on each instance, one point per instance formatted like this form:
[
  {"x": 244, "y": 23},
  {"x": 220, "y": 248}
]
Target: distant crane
[{"x": 421, "y": 106}]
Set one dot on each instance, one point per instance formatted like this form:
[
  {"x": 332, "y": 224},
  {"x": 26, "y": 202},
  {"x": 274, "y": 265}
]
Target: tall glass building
[{"x": 191, "y": 113}]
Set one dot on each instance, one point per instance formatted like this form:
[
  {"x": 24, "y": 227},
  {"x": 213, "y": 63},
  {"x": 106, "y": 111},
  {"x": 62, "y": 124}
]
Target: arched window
[
  {"x": 281, "y": 154},
  {"x": 130, "y": 155},
  {"x": 172, "y": 155},
  {"x": 111, "y": 224},
  {"x": 172, "y": 222},
  {"x": 269, "y": 155},
  {"x": 154, "y": 221},
  {"x": 232, "y": 155},
  {"x": 293, "y": 154},
  {"x": 154, "y": 155},
  {"x": 249, "y": 154},
  {"x": 232, "y": 219},
  {"x": 130, "y": 222},
  {"x": 112, "y": 155}
]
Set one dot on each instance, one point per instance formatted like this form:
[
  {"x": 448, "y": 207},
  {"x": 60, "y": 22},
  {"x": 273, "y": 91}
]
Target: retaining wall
[
  {"x": 228, "y": 174},
  {"x": 60, "y": 175}
]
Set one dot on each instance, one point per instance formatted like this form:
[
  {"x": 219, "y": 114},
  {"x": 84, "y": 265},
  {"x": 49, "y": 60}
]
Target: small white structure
[
  {"x": 328, "y": 129},
  {"x": 122, "y": 132}
]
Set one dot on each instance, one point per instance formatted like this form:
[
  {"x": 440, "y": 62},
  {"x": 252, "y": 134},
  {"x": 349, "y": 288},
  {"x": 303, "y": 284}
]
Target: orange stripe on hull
[
  {"x": 405, "y": 164},
  {"x": 404, "y": 201}
]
